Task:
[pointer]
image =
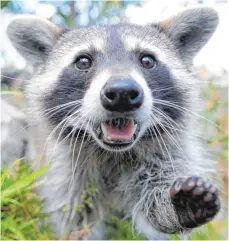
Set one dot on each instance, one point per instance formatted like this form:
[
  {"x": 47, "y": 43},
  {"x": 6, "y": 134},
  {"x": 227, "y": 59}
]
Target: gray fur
[
  {"x": 191, "y": 29},
  {"x": 33, "y": 37},
  {"x": 136, "y": 179}
]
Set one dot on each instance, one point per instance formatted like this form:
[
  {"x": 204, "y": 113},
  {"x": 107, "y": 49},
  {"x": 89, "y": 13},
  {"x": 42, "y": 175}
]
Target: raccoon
[{"x": 114, "y": 110}]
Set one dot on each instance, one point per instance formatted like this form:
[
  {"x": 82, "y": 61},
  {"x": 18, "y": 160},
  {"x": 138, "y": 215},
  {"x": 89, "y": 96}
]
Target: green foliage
[
  {"x": 86, "y": 200},
  {"x": 121, "y": 229},
  {"x": 207, "y": 232},
  {"x": 21, "y": 208},
  {"x": 211, "y": 232},
  {"x": 4, "y": 3}
]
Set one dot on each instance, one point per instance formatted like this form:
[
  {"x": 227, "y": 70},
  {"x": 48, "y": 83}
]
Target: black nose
[{"x": 121, "y": 95}]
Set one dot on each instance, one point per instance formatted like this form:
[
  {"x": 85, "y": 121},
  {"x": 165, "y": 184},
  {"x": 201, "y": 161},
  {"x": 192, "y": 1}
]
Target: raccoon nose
[{"x": 121, "y": 95}]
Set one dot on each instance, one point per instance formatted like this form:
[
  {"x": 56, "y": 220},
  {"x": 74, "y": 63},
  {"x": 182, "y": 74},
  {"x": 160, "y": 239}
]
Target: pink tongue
[{"x": 120, "y": 134}]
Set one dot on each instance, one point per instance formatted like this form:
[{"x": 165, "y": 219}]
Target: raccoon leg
[
  {"x": 196, "y": 201},
  {"x": 146, "y": 200},
  {"x": 168, "y": 205}
]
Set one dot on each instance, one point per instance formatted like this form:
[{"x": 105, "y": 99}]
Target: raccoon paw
[{"x": 196, "y": 201}]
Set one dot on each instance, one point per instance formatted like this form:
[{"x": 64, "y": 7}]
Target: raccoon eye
[
  {"x": 83, "y": 62},
  {"x": 147, "y": 61}
]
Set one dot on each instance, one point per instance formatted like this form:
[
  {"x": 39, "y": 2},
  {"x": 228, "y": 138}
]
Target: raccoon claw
[{"x": 196, "y": 201}]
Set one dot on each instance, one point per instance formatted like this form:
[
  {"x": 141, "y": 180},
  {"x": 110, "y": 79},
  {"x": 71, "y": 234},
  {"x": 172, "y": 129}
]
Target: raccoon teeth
[
  {"x": 118, "y": 124},
  {"x": 98, "y": 130},
  {"x": 104, "y": 130},
  {"x": 135, "y": 128}
]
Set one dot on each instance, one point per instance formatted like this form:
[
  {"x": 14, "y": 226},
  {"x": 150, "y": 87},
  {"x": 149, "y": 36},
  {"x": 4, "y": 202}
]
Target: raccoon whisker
[
  {"x": 193, "y": 73},
  {"x": 27, "y": 125},
  {"x": 165, "y": 148},
  {"x": 167, "y": 117},
  {"x": 69, "y": 134},
  {"x": 170, "y": 125},
  {"x": 73, "y": 89},
  {"x": 74, "y": 131},
  {"x": 170, "y": 104},
  {"x": 172, "y": 139},
  {"x": 71, "y": 102},
  {"x": 83, "y": 167},
  {"x": 67, "y": 114},
  {"x": 153, "y": 131},
  {"x": 163, "y": 89},
  {"x": 56, "y": 128},
  {"x": 58, "y": 106},
  {"x": 74, "y": 148},
  {"x": 63, "y": 129},
  {"x": 87, "y": 158},
  {"x": 79, "y": 152},
  {"x": 71, "y": 146},
  {"x": 189, "y": 73},
  {"x": 57, "y": 109},
  {"x": 166, "y": 123},
  {"x": 105, "y": 154},
  {"x": 168, "y": 120},
  {"x": 66, "y": 118},
  {"x": 76, "y": 89},
  {"x": 62, "y": 141},
  {"x": 13, "y": 78},
  {"x": 131, "y": 158},
  {"x": 50, "y": 136},
  {"x": 63, "y": 122},
  {"x": 80, "y": 117}
]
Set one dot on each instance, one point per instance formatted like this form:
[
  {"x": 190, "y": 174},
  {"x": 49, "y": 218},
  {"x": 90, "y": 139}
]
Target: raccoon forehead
[
  {"x": 85, "y": 39},
  {"x": 133, "y": 43},
  {"x": 74, "y": 43},
  {"x": 146, "y": 39},
  {"x": 101, "y": 38},
  {"x": 114, "y": 42}
]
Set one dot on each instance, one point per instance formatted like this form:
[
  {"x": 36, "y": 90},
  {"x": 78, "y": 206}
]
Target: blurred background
[{"x": 23, "y": 211}]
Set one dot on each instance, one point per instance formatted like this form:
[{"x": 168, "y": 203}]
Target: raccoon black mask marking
[{"x": 114, "y": 106}]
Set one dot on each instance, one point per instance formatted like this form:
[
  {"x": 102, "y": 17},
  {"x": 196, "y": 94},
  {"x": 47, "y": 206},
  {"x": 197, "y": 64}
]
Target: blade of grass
[
  {"x": 7, "y": 171},
  {"x": 10, "y": 200},
  {"x": 22, "y": 184},
  {"x": 28, "y": 223}
]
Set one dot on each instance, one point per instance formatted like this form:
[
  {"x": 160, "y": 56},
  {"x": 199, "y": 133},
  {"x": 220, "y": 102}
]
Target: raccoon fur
[{"x": 113, "y": 108}]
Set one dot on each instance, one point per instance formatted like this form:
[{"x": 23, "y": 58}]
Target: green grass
[
  {"x": 21, "y": 208},
  {"x": 121, "y": 229}
]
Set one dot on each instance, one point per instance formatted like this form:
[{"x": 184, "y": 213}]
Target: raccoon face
[{"x": 116, "y": 84}]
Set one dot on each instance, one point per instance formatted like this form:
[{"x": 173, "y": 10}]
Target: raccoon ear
[
  {"x": 190, "y": 30},
  {"x": 33, "y": 37}
]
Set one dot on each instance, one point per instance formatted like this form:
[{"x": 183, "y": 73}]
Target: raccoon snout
[{"x": 121, "y": 95}]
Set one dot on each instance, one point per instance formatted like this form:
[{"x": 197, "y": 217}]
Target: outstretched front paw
[{"x": 196, "y": 201}]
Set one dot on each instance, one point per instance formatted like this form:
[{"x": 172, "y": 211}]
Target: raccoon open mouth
[{"x": 119, "y": 132}]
